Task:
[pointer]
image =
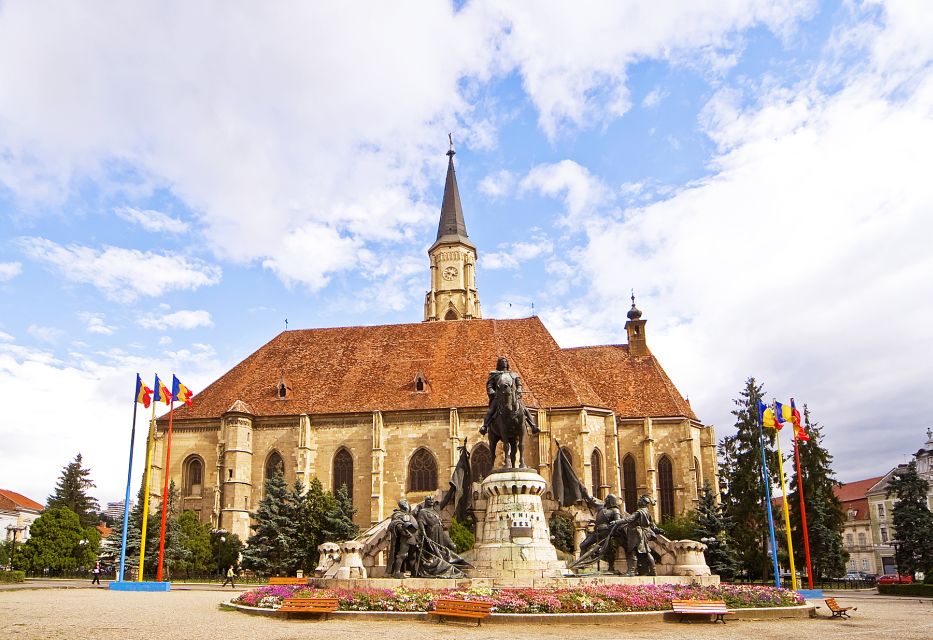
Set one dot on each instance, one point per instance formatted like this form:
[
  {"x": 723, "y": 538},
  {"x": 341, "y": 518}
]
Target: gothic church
[{"x": 382, "y": 409}]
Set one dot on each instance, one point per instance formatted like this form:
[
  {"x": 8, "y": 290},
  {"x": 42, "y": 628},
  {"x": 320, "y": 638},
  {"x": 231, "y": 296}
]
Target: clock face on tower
[{"x": 450, "y": 273}]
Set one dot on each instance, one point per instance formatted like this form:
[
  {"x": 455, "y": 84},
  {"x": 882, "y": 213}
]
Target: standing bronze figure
[
  {"x": 506, "y": 416},
  {"x": 641, "y": 530}
]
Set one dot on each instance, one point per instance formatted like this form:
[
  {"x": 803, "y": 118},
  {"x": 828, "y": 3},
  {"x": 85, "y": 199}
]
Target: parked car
[{"x": 894, "y": 578}]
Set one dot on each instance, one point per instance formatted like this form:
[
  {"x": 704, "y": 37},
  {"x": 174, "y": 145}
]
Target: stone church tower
[{"x": 453, "y": 294}]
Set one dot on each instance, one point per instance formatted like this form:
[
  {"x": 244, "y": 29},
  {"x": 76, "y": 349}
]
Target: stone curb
[{"x": 766, "y": 613}]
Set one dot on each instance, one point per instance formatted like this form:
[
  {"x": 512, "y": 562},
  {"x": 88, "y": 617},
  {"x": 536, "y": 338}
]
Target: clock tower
[{"x": 453, "y": 294}]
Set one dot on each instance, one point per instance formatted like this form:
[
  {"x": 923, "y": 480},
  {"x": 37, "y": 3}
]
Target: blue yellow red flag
[
  {"x": 768, "y": 419},
  {"x": 782, "y": 412},
  {"x": 162, "y": 394},
  {"x": 180, "y": 391},
  {"x": 800, "y": 433},
  {"x": 143, "y": 393}
]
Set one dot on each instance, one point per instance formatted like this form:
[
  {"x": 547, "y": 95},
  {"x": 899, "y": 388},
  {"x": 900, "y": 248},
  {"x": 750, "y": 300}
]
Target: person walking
[
  {"x": 95, "y": 572},
  {"x": 229, "y": 578}
]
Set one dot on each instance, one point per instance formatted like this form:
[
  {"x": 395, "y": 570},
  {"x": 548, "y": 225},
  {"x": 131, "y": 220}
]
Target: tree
[
  {"x": 338, "y": 519},
  {"x": 71, "y": 492},
  {"x": 227, "y": 548},
  {"x": 195, "y": 538},
  {"x": 913, "y": 522},
  {"x": 825, "y": 515},
  {"x": 741, "y": 485},
  {"x": 561, "y": 526},
  {"x": 461, "y": 536},
  {"x": 271, "y": 547},
  {"x": 714, "y": 526},
  {"x": 58, "y": 542},
  {"x": 175, "y": 551}
]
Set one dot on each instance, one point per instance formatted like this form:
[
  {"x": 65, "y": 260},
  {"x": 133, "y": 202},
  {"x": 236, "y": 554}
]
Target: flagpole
[
  {"x": 764, "y": 475},
  {"x": 126, "y": 499},
  {"x": 803, "y": 513},
  {"x": 149, "y": 443},
  {"x": 165, "y": 496},
  {"x": 790, "y": 543}
]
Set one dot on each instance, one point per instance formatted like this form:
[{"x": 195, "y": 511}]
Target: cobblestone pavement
[{"x": 44, "y": 613}]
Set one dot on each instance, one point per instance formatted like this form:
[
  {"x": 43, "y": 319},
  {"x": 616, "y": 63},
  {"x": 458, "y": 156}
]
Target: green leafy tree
[
  {"x": 682, "y": 527},
  {"x": 825, "y": 515},
  {"x": 561, "y": 526},
  {"x": 741, "y": 485},
  {"x": 913, "y": 522},
  {"x": 175, "y": 551},
  {"x": 713, "y": 526},
  {"x": 195, "y": 538},
  {"x": 227, "y": 548},
  {"x": 461, "y": 536},
  {"x": 71, "y": 492},
  {"x": 272, "y": 547},
  {"x": 58, "y": 542}
]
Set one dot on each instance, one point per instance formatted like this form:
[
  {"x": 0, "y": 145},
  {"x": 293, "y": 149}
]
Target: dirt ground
[{"x": 195, "y": 613}]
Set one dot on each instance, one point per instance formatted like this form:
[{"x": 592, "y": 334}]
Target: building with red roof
[
  {"x": 17, "y": 513},
  {"x": 382, "y": 409}
]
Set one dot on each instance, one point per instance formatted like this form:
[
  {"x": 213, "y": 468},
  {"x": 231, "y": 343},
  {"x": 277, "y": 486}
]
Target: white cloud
[
  {"x": 45, "y": 435},
  {"x": 247, "y": 142},
  {"x": 583, "y": 193},
  {"x": 654, "y": 98},
  {"x": 48, "y": 335},
  {"x": 9, "y": 270},
  {"x": 498, "y": 184},
  {"x": 150, "y": 220},
  {"x": 94, "y": 323},
  {"x": 122, "y": 274},
  {"x": 798, "y": 260},
  {"x": 513, "y": 255},
  {"x": 5, "y": 337},
  {"x": 182, "y": 319}
]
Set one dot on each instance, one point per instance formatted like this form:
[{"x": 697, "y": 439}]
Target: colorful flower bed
[{"x": 584, "y": 599}]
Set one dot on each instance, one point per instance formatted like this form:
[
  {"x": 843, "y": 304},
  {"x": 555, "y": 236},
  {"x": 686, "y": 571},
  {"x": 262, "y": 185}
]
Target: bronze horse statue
[{"x": 508, "y": 421}]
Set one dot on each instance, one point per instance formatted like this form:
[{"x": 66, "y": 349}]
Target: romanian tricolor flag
[
  {"x": 143, "y": 393},
  {"x": 180, "y": 391},
  {"x": 768, "y": 418},
  {"x": 799, "y": 432},
  {"x": 162, "y": 394},
  {"x": 783, "y": 413}
]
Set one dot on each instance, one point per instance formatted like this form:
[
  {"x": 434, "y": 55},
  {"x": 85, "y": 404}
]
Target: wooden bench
[
  {"x": 837, "y": 611},
  {"x": 284, "y": 580},
  {"x": 308, "y": 605},
  {"x": 715, "y": 608},
  {"x": 462, "y": 609}
]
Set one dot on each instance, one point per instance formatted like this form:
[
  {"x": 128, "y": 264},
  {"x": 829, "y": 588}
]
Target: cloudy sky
[{"x": 176, "y": 181}]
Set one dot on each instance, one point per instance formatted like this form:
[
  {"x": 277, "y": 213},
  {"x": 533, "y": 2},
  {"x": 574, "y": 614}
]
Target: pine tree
[
  {"x": 825, "y": 515},
  {"x": 714, "y": 526},
  {"x": 195, "y": 537},
  {"x": 338, "y": 519},
  {"x": 71, "y": 492},
  {"x": 913, "y": 522},
  {"x": 741, "y": 486},
  {"x": 269, "y": 549},
  {"x": 316, "y": 503}
]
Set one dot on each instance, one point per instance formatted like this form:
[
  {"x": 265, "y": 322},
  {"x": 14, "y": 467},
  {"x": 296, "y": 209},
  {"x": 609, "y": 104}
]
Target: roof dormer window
[
  {"x": 283, "y": 390},
  {"x": 421, "y": 384}
]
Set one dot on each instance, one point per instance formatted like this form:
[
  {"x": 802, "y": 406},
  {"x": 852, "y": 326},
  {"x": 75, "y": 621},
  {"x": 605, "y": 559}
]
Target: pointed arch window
[
  {"x": 596, "y": 471},
  {"x": 193, "y": 476},
  {"x": 451, "y": 315},
  {"x": 343, "y": 472},
  {"x": 480, "y": 462},
  {"x": 666, "y": 487},
  {"x": 274, "y": 465},
  {"x": 629, "y": 483},
  {"x": 422, "y": 471}
]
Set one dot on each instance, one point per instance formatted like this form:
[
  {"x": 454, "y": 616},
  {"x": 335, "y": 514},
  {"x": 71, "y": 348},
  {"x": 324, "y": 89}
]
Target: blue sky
[{"x": 175, "y": 183}]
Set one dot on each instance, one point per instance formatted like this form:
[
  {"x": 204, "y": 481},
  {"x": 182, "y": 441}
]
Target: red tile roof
[
  {"x": 362, "y": 369},
  {"x": 854, "y": 490},
  {"x": 12, "y": 500}
]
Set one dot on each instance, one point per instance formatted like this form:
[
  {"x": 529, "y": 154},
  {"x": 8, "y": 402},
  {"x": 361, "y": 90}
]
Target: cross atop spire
[{"x": 451, "y": 227}]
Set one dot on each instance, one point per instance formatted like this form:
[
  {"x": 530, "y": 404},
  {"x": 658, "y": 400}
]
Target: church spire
[
  {"x": 451, "y": 227},
  {"x": 453, "y": 294}
]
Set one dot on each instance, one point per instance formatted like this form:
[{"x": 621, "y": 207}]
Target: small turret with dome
[{"x": 635, "y": 328}]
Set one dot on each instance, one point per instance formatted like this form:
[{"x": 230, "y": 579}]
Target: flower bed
[{"x": 586, "y": 599}]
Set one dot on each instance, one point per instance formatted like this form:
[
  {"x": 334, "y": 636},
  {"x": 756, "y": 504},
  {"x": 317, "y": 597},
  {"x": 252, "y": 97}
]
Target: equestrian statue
[{"x": 506, "y": 417}]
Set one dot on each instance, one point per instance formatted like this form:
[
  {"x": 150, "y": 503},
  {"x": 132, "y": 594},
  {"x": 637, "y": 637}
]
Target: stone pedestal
[{"x": 514, "y": 541}]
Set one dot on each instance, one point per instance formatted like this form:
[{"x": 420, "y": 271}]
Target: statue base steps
[{"x": 507, "y": 581}]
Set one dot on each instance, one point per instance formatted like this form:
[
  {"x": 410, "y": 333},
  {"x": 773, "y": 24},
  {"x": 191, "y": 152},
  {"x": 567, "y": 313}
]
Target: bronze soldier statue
[
  {"x": 641, "y": 530},
  {"x": 403, "y": 532},
  {"x": 610, "y": 523},
  {"x": 502, "y": 364}
]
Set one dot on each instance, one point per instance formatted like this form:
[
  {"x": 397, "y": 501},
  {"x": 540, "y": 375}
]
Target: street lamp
[
  {"x": 11, "y": 531},
  {"x": 897, "y": 565}
]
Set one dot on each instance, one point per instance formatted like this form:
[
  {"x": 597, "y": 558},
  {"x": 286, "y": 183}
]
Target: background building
[
  {"x": 857, "y": 538},
  {"x": 382, "y": 409},
  {"x": 17, "y": 513}
]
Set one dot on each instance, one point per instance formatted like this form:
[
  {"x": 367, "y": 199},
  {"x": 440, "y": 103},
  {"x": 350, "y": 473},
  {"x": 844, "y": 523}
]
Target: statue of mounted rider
[
  {"x": 613, "y": 527},
  {"x": 507, "y": 417}
]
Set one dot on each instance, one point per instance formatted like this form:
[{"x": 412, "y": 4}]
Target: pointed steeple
[{"x": 451, "y": 227}]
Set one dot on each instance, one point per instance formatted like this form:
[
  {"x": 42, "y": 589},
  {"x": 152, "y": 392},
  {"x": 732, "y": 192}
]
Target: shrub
[
  {"x": 461, "y": 536},
  {"x": 917, "y": 589},
  {"x": 12, "y": 576}
]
